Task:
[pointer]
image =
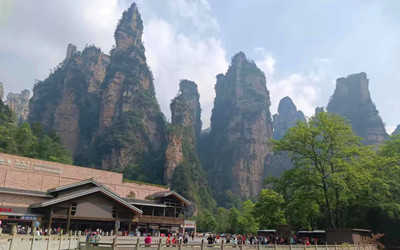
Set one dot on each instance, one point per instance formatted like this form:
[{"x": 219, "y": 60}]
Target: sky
[{"x": 303, "y": 46}]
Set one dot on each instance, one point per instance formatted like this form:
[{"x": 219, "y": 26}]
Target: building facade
[{"x": 54, "y": 195}]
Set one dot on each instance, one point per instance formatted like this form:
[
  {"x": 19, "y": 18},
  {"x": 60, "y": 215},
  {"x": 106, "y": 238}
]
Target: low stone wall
[{"x": 29, "y": 242}]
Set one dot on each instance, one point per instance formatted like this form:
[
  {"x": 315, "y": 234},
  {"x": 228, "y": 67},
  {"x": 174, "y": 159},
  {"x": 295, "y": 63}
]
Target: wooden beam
[
  {"x": 130, "y": 223},
  {"x": 69, "y": 217},
  {"x": 50, "y": 220}
]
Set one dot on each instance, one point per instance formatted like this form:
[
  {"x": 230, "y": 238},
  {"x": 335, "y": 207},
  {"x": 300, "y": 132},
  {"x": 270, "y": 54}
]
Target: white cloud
[
  {"x": 174, "y": 54},
  {"x": 390, "y": 128},
  {"x": 35, "y": 35},
  {"x": 267, "y": 63},
  {"x": 304, "y": 88}
]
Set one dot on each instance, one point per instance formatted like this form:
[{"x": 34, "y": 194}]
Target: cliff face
[
  {"x": 19, "y": 104},
  {"x": 241, "y": 127},
  {"x": 287, "y": 117},
  {"x": 183, "y": 170},
  {"x": 130, "y": 122},
  {"x": 185, "y": 126},
  {"x": 68, "y": 100},
  {"x": 352, "y": 100}
]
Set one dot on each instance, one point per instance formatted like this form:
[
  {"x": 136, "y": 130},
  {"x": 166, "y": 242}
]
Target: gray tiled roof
[
  {"x": 4, "y": 190},
  {"x": 171, "y": 192},
  {"x": 81, "y": 193}
]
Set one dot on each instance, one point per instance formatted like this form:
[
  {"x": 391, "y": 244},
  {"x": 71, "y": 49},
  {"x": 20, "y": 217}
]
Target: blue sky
[{"x": 301, "y": 45}]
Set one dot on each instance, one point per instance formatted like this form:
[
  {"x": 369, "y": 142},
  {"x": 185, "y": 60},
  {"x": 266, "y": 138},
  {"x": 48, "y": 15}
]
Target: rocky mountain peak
[
  {"x": 128, "y": 102},
  {"x": 19, "y": 104},
  {"x": 355, "y": 84},
  {"x": 287, "y": 117},
  {"x": 130, "y": 29},
  {"x": 241, "y": 127},
  {"x": 352, "y": 100},
  {"x": 183, "y": 171},
  {"x": 188, "y": 88},
  {"x": 286, "y": 105},
  {"x": 185, "y": 108},
  {"x": 238, "y": 58},
  {"x": 71, "y": 49}
]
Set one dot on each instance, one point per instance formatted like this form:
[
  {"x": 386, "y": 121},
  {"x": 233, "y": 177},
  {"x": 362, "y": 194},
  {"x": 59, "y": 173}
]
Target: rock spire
[
  {"x": 241, "y": 127},
  {"x": 352, "y": 100}
]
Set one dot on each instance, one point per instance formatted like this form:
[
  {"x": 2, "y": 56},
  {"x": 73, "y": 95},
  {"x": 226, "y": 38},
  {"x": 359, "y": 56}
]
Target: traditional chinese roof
[
  {"x": 75, "y": 184},
  {"x": 80, "y": 193},
  {"x": 171, "y": 193}
]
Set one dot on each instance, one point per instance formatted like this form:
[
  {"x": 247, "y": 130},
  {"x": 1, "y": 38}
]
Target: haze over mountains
[{"x": 104, "y": 109}]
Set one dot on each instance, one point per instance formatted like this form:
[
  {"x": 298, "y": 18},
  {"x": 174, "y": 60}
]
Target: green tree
[
  {"x": 269, "y": 209},
  {"x": 222, "y": 220},
  {"x": 233, "y": 220},
  {"x": 205, "y": 221},
  {"x": 322, "y": 150},
  {"x": 247, "y": 223}
]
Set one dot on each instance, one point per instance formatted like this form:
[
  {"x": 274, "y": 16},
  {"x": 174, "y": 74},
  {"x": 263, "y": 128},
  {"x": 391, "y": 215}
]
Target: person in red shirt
[
  {"x": 169, "y": 240},
  {"x": 147, "y": 240}
]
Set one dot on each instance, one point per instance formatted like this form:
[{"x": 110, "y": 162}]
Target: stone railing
[
  {"x": 30, "y": 242},
  {"x": 119, "y": 243}
]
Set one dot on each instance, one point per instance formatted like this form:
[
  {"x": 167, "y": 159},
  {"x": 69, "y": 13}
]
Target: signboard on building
[{"x": 32, "y": 166}]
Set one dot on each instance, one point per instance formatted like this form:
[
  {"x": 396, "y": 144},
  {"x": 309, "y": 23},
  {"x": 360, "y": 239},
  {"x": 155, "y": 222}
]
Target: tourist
[
  {"x": 97, "y": 238},
  {"x": 210, "y": 239},
  {"x": 147, "y": 240},
  {"x": 192, "y": 234},
  {"x": 22, "y": 230},
  {"x": 169, "y": 240},
  {"x": 251, "y": 239},
  {"x": 186, "y": 238}
]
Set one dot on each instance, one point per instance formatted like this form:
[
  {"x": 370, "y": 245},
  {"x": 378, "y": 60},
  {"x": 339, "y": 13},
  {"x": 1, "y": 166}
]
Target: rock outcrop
[
  {"x": 19, "y": 104},
  {"x": 1, "y": 91},
  {"x": 352, "y": 100},
  {"x": 241, "y": 128},
  {"x": 287, "y": 117},
  {"x": 183, "y": 171},
  {"x": 68, "y": 100},
  {"x": 131, "y": 123}
]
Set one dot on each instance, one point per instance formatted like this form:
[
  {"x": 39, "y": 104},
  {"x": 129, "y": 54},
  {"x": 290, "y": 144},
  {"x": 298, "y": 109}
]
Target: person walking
[{"x": 186, "y": 238}]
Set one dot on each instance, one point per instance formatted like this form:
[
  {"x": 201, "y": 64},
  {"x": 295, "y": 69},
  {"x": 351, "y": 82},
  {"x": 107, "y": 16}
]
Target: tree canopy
[{"x": 337, "y": 182}]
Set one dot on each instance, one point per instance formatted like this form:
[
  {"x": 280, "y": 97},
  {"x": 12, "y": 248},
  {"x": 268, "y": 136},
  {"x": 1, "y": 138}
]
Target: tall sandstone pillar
[{"x": 241, "y": 128}]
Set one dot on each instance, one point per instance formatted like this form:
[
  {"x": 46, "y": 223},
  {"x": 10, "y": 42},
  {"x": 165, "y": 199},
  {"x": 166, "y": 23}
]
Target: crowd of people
[{"x": 251, "y": 239}]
